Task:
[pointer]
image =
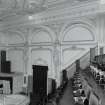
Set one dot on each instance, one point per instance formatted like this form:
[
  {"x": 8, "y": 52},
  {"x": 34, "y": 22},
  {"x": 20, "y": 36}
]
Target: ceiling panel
[{"x": 26, "y": 7}]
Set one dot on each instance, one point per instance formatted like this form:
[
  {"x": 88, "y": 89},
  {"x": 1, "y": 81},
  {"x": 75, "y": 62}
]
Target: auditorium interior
[{"x": 52, "y": 52}]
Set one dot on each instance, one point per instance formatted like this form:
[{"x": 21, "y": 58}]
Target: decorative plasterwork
[
  {"x": 46, "y": 50},
  {"x": 27, "y": 33},
  {"x": 82, "y": 21},
  {"x": 19, "y": 7},
  {"x": 74, "y": 47},
  {"x": 79, "y": 26},
  {"x": 90, "y": 8},
  {"x": 43, "y": 29},
  {"x": 40, "y": 61},
  {"x": 41, "y": 48},
  {"x": 37, "y": 37},
  {"x": 14, "y": 32},
  {"x": 77, "y": 23},
  {"x": 55, "y": 27},
  {"x": 68, "y": 13}
]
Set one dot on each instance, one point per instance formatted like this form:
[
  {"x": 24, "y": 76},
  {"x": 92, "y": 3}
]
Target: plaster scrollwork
[{"x": 40, "y": 61}]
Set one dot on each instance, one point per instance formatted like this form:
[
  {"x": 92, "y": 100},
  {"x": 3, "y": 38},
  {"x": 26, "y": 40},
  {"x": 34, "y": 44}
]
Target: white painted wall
[
  {"x": 71, "y": 69},
  {"x": 16, "y": 56},
  {"x": 42, "y": 57},
  {"x": 78, "y": 33},
  {"x": 85, "y": 60},
  {"x": 41, "y": 37},
  {"x": 14, "y": 39},
  {"x": 70, "y": 56}
]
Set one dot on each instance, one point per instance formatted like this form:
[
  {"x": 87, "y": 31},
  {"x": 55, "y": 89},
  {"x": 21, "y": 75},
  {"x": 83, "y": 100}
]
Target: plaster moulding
[
  {"x": 40, "y": 61},
  {"x": 87, "y": 9}
]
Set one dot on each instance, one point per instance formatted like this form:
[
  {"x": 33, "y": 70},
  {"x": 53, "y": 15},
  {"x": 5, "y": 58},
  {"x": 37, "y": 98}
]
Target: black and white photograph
[{"x": 52, "y": 52}]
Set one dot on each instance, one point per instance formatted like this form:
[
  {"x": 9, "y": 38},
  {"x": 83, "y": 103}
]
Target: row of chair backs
[{"x": 78, "y": 92}]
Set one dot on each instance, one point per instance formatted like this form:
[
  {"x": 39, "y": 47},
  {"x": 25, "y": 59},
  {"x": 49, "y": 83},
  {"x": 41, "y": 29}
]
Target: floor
[{"x": 67, "y": 98}]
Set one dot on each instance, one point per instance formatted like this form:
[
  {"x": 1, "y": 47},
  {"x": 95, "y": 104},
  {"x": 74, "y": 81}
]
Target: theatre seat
[
  {"x": 97, "y": 76},
  {"x": 102, "y": 81},
  {"x": 102, "y": 86}
]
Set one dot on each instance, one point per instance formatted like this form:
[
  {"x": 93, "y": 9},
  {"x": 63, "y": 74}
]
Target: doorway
[{"x": 40, "y": 80}]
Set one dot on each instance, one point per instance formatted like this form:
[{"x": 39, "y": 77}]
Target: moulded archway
[
  {"x": 76, "y": 30},
  {"x": 78, "y": 33},
  {"x": 9, "y": 37},
  {"x": 42, "y": 34}
]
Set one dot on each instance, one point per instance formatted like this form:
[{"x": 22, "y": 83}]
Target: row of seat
[
  {"x": 98, "y": 75},
  {"x": 100, "y": 61},
  {"x": 78, "y": 92}
]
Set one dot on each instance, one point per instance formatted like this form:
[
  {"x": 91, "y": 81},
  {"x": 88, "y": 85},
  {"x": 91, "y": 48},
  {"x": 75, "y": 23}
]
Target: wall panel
[{"x": 16, "y": 56}]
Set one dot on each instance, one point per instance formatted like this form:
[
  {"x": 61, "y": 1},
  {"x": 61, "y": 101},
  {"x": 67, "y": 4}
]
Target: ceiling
[{"x": 10, "y": 8}]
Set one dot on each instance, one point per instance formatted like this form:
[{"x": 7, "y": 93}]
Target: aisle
[
  {"x": 67, "y": 98},
  {"x": 101, "y": 93}
]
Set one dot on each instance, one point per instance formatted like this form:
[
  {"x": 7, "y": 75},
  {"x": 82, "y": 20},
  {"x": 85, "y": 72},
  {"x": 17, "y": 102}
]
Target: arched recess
[
  {"x": 41, "y": 61},
  {"x": 14, "y": 38},
  {"x": 77, "y": 31},
  {"x": 42, "y": 34},
  {"x": 9, "y": 37},
  {"x": 3, "y": 38},
  {"x": 42, "y": 56}
]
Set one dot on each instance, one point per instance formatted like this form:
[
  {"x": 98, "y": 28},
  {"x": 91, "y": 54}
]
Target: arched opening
[{"x": 78, "y": 34}]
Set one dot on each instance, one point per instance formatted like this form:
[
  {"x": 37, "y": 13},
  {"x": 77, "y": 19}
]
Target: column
[{"x": 56, "y": 60}]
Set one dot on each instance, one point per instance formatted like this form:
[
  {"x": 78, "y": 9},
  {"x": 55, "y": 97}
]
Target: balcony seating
[
  {"x": 102, "y": 81},
  {"x": 99, "y": 75}
]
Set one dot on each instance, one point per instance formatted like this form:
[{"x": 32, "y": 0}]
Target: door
[{"x": 40, "y": 80}]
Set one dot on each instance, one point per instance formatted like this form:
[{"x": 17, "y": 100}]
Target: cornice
[{"x": 49, "y": 16}]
